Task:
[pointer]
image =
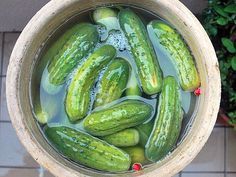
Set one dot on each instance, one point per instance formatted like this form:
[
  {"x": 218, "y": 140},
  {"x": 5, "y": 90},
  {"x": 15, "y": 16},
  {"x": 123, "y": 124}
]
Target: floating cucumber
[
  {"x": 78, "y": 94},
  {"x": 180, "y": 55},
  {"x": 66, "y": 53},
  {"x": 87, "y": 150},
  {"x": 113, "y": 82},
  {"x": 149, "y": 72},
  {"x": 123, "y": 115},
  {"x": 168, "y": 122}
]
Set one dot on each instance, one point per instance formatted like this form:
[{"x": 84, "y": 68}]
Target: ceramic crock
[{"x": 49, "y": 18}]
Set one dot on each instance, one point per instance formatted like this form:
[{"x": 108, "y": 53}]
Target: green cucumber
[
  {"x": 78, "y": 94},
  {"x": 168, "y": 122},
  {"x": 133, "y": 87},
  {"x": 106, "y": 17},
  {"x": 136, "y": 154},
  {"x": 149, "y": 72},
  {"x": 124, "y": 138},
  {"x": 113, "y": 82},
  {"x": 172, "y": 43},
  {"x": 67, "y": 52},
  {"x": 45, "y": 108},
  {"x": 87, "y": 150},
  {"x": 144, "y": 130},
  {"x": 118, "y": 117}
]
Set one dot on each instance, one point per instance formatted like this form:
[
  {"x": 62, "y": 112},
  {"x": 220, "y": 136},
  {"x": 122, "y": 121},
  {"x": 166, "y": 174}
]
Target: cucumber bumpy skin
[
  {"x": 124, "y": 138},
  {"x": 87, "y": 150},
  {"x": 67, "y": 52},
  {"x": 168, "y": 122},
  {"x": 180, "y": 55},
  {"x": 149, "y": 72},
  {"x": 78, "y": 94},
  {"x": 113, "y": 82},
  {"x": 123, "y": 115}
]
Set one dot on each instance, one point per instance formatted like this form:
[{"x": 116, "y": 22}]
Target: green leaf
[
  {"x": 211, "y": 30},
  {"x": 222, "y": 21},
  {"x": 232, "y": 115},
  {"x": 230, "y": 8},
  {"x": 233, "y": 63},
  {"x": 228, "y": 44},
  {"x": 220, "y": 11}
]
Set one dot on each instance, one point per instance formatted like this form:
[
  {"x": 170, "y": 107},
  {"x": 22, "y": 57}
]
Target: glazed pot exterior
[{"x": 46, "y": 21}]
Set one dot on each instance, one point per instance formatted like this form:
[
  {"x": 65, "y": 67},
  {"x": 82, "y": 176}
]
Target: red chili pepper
[
  {"x": 137, "y": 166},
  {"x": 197, "y": 92}
]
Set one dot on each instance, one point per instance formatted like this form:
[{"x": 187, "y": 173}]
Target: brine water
[{"x": 53, "y": 104}]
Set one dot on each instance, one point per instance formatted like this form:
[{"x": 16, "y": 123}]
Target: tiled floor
[{"x": 217, "y": 158}]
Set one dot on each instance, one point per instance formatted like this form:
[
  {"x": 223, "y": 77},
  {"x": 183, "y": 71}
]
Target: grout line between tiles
[
  {"x": 10, "y": 32},
  {"x": 2, "y": 54},
  {"x": 5, "y": 121},
  {"x": 2, "y": 51},
  {"x": 18, "y": 167},
  {"x": 225, "y": 148},
  {"x": 222, "y": 126}
]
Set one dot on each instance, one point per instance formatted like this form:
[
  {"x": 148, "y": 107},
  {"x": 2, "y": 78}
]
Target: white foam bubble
[{"x": 118, "y": 40}]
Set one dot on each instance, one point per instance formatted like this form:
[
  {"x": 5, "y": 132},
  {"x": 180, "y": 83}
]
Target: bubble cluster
[{"x": 118, "y": 40}]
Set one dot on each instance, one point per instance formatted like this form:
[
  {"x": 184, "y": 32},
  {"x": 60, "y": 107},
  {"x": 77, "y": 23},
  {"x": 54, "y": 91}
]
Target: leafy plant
[{"x": 219, "y": 20}]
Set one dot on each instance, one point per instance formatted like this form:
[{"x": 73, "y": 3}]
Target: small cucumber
[
  {"x": 172, "y": 43},
  {"x": 87, "y": 150},
  {"x": 123, "y": 115},
  {"x": 168, "y": 122},
  {"x": 133, "y": 87},
  {"x": 106, "y": 17},
  {"x": 113, "y": 82},
  {"x": 78, "y": 93},
  {"x": 67, "y": 51},
  {"x": 149, "y": 71},
  {"x": 144, "y": 130},
  {"x": 45, "y": 108},
  {"x": 124, "y": 138},
  {"x": 136, "y": 154}
]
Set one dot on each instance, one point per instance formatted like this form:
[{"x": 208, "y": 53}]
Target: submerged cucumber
[
  {"x": 144, "y": 130},
  {"x": 168, "y": 122},
  {"x": 45, "y": 108},
  {"x": 124, "y": 138},
  {"x": 133, "y": 87},
  {"x": 67, "y": 51},
  {"x": 123, "y": 115},
  {"x": 113, "y": 82},
  {"x": 136, "y": 154},
  {"x": 78, "y": 94},
  {"x": 149, "y": 71},
  {"x": 87, "y": 150},
  {"x": 180, "y": 55}
]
